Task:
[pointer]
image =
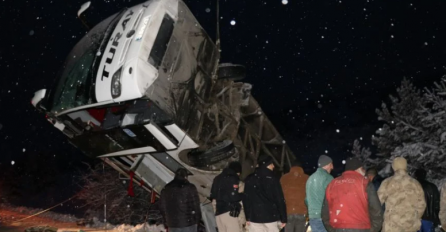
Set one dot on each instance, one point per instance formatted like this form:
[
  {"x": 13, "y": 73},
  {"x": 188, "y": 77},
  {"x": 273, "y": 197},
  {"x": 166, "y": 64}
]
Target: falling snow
[{"x": 303, "y": 75}]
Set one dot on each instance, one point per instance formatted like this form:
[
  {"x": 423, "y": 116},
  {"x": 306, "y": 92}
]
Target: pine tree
[
  {"x": 401, "y": 121},
  {"x": 414, "y": 128},
  {"x": 363, "y": 154}
]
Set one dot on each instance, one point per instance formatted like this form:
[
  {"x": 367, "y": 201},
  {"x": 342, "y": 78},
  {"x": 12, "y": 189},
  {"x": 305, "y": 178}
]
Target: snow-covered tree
[
  {"x": 414, "y": 128},
  {"x": 363, "y": 154},
  {"x": 401, "y": 120}
]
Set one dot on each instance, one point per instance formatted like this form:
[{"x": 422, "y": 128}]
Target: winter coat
[
  {"x": 180, "y": 204},
  {"x": 315, "y": 192},
  {"x": 263, "y": 198},
  {"x": 442, "y": 214},
  {"x": 351, "y": 203},
  {"x": 432, "y": 197},
  {"x": 225, "y": 190},
  {"x": 293, "y": 186},
  {"x": 405, "y": 204}
]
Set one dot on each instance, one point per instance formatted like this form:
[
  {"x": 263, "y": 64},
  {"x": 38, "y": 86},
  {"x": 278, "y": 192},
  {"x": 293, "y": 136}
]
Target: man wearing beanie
[
  {"x": 404, "y": 199},
  {"x": 225, "y": 193},
  {"x": 264, "y": 203},
  {"x": 315, "y": 192},
  {"x": 351, "y": 203}
]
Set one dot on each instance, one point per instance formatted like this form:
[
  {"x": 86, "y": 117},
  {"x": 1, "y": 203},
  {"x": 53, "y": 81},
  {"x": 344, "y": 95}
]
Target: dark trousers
[
  {"x": 296, "y": 223},
  {"x": 184, "y": 229}
]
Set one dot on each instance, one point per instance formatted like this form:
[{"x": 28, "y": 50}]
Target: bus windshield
[{"x": 75, "y": 83}]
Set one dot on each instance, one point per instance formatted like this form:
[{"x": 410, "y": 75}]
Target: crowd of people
[{"x": 358, "y": 200}]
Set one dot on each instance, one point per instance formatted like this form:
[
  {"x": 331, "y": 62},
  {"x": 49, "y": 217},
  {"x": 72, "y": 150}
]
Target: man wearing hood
[
  {"x": 225, "y": 191},
  {"x": 293, "y": 185},
  {"x": 404, "y": 199},
  {"x": 351, "y": 203},
  {"x": 442, "y": 214},
  {"x": 263, "y": 200}
]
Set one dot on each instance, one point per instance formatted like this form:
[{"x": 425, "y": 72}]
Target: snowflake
[
  {"x": 284, "y": 2},
  {"x": 232, "y": 22}
]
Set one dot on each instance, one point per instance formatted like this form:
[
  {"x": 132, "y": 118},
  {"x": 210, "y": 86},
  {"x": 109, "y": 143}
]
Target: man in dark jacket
[
  {"x": 374, "y": 178},
  {"x": 225, "y": 190},
  {"x": 264, "y": 202},
  {"x": 351, "y": 203},
  {"x": 180, "y": 204},
  {"x": 430, "y": 217}
]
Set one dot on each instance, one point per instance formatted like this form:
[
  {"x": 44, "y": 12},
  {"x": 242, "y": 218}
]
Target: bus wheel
[
  {"x": 235, "y": 72},
  {"x": 220, "y": 151}
]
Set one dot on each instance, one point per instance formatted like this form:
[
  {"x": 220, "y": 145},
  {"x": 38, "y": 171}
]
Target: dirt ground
[{"x": 8, "y": 224}]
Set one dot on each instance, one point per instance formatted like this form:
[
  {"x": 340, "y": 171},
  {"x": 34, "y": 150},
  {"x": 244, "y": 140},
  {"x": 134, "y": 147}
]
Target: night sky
[{"x": 316, "y": 66}]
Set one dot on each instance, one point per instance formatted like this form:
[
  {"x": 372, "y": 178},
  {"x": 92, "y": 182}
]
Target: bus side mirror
[{"x": 38, "y": 96}]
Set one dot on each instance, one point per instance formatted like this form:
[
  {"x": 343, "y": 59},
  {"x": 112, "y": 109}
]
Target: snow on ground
[
  {"x": 55, "y": 219},
  {"x": 49, "y": 214},
  {"x": 140, "y": 228}
]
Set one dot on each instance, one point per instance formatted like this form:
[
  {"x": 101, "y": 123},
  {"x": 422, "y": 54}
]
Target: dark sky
[{"x": 317, "y": 66}]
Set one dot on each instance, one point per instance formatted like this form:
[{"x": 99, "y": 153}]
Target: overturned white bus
[{"x": 144, "y": 91}]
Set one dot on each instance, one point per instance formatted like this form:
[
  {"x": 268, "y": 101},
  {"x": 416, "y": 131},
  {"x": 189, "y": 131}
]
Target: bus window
[{"x": 162, "y": 39}]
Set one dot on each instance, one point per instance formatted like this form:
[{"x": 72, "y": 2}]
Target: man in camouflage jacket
[
  {"x": 404, "y": 199},
  {"x": 442, "y": 213}
]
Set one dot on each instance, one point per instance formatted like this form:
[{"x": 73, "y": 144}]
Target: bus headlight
[{"x": 116, "y": 84}]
